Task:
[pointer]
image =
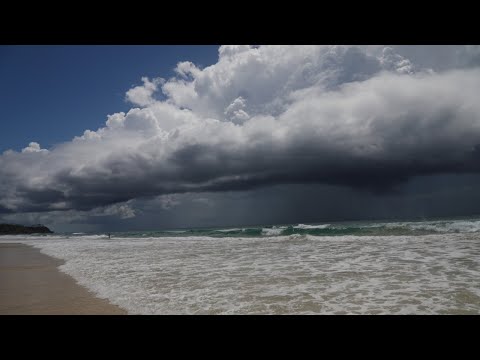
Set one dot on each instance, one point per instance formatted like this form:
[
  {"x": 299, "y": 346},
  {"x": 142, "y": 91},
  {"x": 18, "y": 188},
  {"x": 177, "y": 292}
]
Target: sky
[
  {"x": 106, "y": 138},
  {"x": 50, "y": 94}
]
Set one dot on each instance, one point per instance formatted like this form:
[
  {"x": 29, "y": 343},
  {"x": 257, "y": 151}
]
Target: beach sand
[{"x": 30, "y": 283}]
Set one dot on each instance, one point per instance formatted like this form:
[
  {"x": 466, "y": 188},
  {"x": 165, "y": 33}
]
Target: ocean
[{"x": 408, "y": 267}]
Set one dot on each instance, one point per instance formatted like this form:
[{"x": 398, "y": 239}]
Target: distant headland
[{"x": 13, "y": 229}]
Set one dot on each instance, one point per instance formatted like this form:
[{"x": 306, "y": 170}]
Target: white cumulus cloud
[
  {"x": 143, "y": 95},
  {"x": 33, "y": 147},
  {"x": 361, "y": 116}
]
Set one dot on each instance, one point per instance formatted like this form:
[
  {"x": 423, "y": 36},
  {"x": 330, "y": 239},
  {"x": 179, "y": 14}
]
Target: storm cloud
[{"x": 367, "y": 118}]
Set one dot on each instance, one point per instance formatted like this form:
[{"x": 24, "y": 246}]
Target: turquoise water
[{"x": 357, "y": 228}]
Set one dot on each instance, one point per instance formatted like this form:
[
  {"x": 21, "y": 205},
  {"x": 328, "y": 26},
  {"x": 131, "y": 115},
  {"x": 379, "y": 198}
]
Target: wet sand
[{"x": 31, "y": 284}]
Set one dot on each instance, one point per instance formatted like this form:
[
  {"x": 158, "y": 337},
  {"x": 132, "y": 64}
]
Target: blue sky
[{"x": 49, "y": 94}]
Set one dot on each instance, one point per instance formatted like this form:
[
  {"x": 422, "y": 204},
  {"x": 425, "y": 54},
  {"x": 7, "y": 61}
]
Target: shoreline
[{"x": 32, "y": 284}]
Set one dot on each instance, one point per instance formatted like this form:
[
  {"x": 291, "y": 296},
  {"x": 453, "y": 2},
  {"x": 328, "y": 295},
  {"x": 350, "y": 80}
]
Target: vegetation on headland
[{"x": 12, "y": 229}]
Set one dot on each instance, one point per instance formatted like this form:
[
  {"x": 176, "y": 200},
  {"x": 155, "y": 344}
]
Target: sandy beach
[{"x": 31, "y": 284}]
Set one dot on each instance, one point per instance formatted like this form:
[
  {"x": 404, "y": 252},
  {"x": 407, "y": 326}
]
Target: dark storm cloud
[
  {"x": 365, "y": 119},
  {"x": 4, "y": 210}
]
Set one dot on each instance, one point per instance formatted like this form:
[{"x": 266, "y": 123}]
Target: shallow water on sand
[
  {"x": 294, "y": 274},
  {"x": 30, "y": 284}
]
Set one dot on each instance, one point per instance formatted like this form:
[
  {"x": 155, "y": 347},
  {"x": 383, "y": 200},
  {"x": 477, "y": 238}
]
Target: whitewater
[{"x": 416, "y": 267}]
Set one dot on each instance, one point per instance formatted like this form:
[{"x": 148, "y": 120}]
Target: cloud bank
[{"x": 366, "y": 117}]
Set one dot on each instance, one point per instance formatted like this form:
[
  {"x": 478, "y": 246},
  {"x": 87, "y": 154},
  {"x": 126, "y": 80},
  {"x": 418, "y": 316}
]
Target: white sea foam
[
  {"x": 428, "y": 274},
  {"x": 446, "y": 226},
  {"x": 230, "y": 230},
  {"x": 273, "y": 231},
  {"x": 309, "y": 227}
]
